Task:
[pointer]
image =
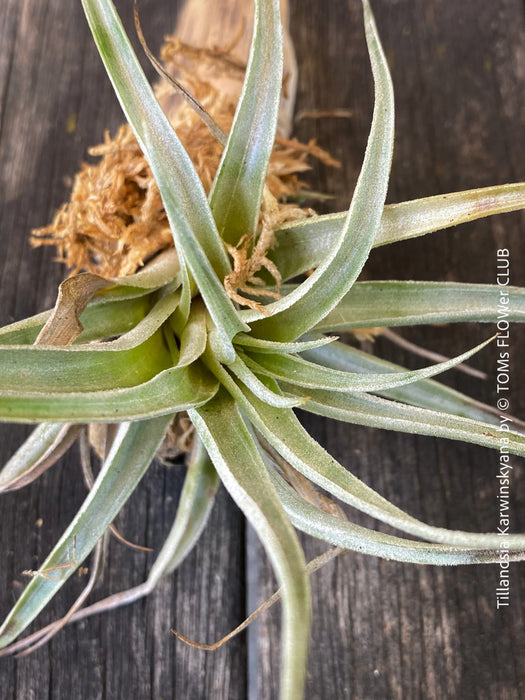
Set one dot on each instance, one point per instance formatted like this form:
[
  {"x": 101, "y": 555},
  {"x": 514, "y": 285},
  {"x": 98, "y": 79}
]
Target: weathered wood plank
[
  {"x": 50, "y": 71},
  {"x": 381, "y": 630}
]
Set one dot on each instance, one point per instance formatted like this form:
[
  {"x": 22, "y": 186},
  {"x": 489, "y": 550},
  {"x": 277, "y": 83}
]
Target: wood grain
[{"x": 381, "y": 630}]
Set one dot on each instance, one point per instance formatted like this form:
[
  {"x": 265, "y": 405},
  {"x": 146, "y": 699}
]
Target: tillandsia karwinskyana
[{"x": 255, "y": 366}]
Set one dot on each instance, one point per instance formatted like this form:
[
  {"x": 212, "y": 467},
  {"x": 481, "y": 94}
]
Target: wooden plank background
[{"x": 381, "y": 629}]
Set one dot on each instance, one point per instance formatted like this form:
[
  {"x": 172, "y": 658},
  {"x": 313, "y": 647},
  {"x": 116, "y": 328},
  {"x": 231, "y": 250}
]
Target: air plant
[{"x": 223, "y": 329}]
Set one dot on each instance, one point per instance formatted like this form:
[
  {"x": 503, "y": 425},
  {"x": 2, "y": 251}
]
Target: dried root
[{"x": 249, "y": 258}]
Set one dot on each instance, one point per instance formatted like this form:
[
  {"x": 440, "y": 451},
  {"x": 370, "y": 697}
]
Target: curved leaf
[
  {"x": 341, "y": 533},
  {"x": 46, "y": 444},
  {"x": 132, "y": 359},
  {"x": 193, "y": 336},
  {"x": 242, "y": 471},
  {"x": 38, "y": 368},
  {"x": 168, "y": 392},
  {"x": 303, "y": 245},
  {"x": 235, "y": 198},
  {"x": 185, "y": 202},
  {"x": 396, "y": 303},
  {"x": 284, "y": 432},
  {"x": 194, "y": 507},
  {"x": 426, "y": 393},
  {"x": 297, "y": 371},
  {"x": 287, "y": 436},
  {"x": 131, "y": 453},
  {"x": 196, "y": 501},
  {"x": 300, "y": 310},
  {"x": 160, "y": 271},
  {"x": 261, "y": 345},
  {"x": 104, "y": 317},
  {"x": 248, "y": 378},
  {"x": 364, "y": 409}
]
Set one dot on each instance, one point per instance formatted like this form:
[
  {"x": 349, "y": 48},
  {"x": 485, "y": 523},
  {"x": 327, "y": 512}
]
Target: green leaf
[
  {"x": 196, "y": 501},
  {"x": 73, "y": 368},
  {"x": 297, "y": 371},
  {"x": 104, "y": 317},
  {"x": 426, "y": 393},
  {"x": 46, "y": 444},
  {"x": 145, "y": 329},
  {"x": 300, "y": 310},
  {"x": 185, "y": 202},
  {"x": 303, "y": 245},
  {"x": 420, "y": 216},
  {"x": 341, "y": 533},
  {"x": 112, "y": 318},
  {"x": 63, "y": 326},
  {"x": 193, "y": 336},
  {"x": 160, "y": 271},
  {"x": 373, "y": 411},
  {"x": 236, "y": 194},
  {"x": 168, "y": 392},
  {"x": 131, "y": 453},
  {"x": 261, "y": 345},
  {"x": 242, "y": 471},
  {"x": 132, "y": 359},
  {"x": 24, "y": 332},
  {"x": 396, "y": 303},
  {"x": 187, "y": 288},
  {"x": 283, "y": 431},
  {"x": 248, "y": 378}
]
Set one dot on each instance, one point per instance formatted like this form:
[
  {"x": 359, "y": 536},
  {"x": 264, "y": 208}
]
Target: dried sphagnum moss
[{"x": 115, "y": 220}]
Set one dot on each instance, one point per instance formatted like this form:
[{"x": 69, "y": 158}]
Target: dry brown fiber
[{"x": 115, "y": 221}]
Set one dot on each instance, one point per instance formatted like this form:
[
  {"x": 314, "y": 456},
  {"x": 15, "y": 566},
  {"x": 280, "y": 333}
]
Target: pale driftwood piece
[
  {"x": 206, "y": 24},
  {"x": 381, "y": 630}
]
